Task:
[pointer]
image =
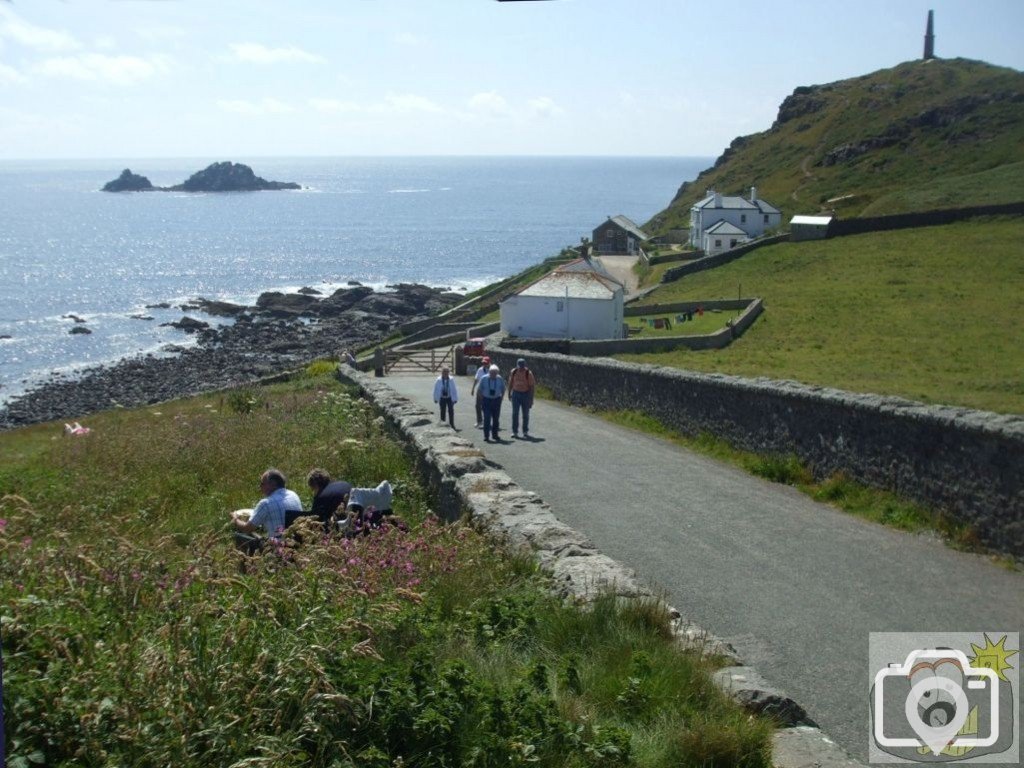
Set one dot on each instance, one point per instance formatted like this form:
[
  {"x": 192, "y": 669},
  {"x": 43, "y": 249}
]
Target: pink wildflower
[{"x": 3, "y": 524}]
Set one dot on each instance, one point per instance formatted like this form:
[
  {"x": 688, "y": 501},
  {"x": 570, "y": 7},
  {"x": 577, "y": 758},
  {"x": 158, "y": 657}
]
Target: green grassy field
[
  {"x": 932, "y": 314},
  {"x": 709, "y": 323},
  {"x": 131, "y": 636}
]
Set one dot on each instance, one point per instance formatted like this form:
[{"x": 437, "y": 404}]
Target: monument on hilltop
[{"x": 929, "y": 37}]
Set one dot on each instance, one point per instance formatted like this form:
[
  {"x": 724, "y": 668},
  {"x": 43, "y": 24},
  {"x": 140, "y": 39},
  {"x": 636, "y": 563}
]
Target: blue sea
[{"x": 66, "y": 248}]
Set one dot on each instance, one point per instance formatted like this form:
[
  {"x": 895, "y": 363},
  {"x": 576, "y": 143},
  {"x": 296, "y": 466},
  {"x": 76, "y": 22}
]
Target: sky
[{"x": 296, "y": 78}]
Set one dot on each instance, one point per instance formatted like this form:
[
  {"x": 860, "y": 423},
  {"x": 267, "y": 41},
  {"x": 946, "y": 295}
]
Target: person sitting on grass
[
  {"x": 271, "y": 513},
  {"x": 328, "y": 496},
  {"x": 369, "y": 509}
]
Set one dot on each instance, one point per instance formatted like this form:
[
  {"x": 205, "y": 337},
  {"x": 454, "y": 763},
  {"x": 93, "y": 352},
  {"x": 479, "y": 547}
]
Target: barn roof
[{"x": 574, "y": 285}]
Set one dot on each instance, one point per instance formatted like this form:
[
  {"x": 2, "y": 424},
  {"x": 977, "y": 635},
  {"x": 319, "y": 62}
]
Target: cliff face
[
  {"x": 128, "y": 182},
  {"x": 219, "y": 177},
  {"x": 925, "y": 134}
]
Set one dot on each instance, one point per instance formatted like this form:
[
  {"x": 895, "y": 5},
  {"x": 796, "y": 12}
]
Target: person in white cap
[
  {"x": 492, "y": 389},
  {"x": 481, "y": 373}
]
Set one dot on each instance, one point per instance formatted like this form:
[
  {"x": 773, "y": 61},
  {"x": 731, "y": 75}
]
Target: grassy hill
[
  {"x": 941, "y": 133},
  {"x": 931, "y": 314}
]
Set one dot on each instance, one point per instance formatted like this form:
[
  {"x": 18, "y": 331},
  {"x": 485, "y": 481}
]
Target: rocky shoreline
[{"x": 281, "y": 332}]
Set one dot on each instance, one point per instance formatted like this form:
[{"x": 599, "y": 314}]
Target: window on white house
[
  {"x": 743, "y": 218},
  {"x": 766, "y": 218},
  {"x": 559, "y": 306},
  {"x": 718, "y": 243},
  {"x": 732, "y": 243}
]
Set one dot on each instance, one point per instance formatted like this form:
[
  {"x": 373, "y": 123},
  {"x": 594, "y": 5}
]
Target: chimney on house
[
  {"x": 929, "y": 37},
  {"x": 753, "y": 194},
  {"x": 718, "y": 199}
]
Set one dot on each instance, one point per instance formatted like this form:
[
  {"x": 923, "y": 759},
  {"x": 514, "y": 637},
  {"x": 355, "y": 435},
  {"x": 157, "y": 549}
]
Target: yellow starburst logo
[{"x": 992, "y": 656}]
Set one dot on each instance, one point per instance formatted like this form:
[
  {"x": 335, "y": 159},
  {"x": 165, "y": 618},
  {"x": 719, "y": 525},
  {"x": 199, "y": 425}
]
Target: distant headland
[{"x": 219, "y": 177}]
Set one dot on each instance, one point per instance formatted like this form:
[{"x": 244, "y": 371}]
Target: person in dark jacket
[{"x": 328, "y": 495}]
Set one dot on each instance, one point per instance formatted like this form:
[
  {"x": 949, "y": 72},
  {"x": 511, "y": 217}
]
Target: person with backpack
[{"x": 521, "y": 386}]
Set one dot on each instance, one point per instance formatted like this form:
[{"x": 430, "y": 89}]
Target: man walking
[
  {"x": 481, "y": 373},
  {"x": 492, "y": 388},
  {"x": 521, "y": 385},
  {"x": 446, "y": 394}
]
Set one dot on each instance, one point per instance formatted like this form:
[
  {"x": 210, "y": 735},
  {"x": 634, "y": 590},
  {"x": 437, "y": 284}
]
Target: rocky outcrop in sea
[
  {"x": 280, "y": 332},
  {"x": 219, "y": 177}
]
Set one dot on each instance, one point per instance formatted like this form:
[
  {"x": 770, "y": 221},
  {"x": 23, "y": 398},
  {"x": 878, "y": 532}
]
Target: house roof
[
  {"x": 817, "y": 221},
  {"x": 726, "y": 201},
  {"x": 723, "y": 227},
  {"x": 628, "y": 225},
  {"x": 587, "y": 265},
  {"x": 766, "y": 207},
  {"x": 574, "y": 285}
]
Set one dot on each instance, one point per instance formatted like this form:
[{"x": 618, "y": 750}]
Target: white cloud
[
  {"x": 98, "y": 67},
  {"x": 104, "y": 43},
  {"x": 14, "y": 28},
  {"x": 491, "y": 104},
  {"x": 543, "y": 106},
  {"x": 409, "y": 39},
  {"x": 266, "y": 106},
  {"x": 334, "y": 106},
  {"x": 160, "y": 33},
  {"x": 260, "y": 54},
  {"x": 408, "y": 102},
  {"x": 11, "y": 76},
  {"x": 393, "y": 104}
]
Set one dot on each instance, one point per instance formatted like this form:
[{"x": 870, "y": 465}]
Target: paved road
[{"x": 794, "y": 585}]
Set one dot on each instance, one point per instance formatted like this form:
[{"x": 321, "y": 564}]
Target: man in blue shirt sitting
[{"x": 270, "y": 514}]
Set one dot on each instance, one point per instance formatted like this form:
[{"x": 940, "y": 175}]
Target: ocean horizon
[{"x": 457, "y": 222}]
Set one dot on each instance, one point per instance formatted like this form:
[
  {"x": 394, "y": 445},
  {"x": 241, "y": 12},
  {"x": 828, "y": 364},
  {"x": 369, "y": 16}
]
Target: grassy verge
[
  {"x": 879, "y": 506},
  {"x": 130, "y": 637},
  {"x": 708, "y": 323},
  {"x": 931, "y": 314}
]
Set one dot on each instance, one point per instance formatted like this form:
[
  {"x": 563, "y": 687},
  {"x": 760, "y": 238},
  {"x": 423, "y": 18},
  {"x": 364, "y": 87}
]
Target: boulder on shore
[
  {"x": 187, "y": 324},
  {"x": 128, "y": 182}
]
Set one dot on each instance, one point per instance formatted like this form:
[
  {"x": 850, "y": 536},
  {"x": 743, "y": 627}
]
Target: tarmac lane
[{"x": 795, "y": 585}]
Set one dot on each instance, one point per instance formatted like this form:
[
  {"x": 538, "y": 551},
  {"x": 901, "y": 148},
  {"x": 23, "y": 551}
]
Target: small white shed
[
  {"x": 809, "y": 227},
  {"x": 566, "y": 304}
]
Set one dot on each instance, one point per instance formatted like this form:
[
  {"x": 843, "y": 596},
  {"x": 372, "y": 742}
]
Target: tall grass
[{"x": 132, "y": 637}]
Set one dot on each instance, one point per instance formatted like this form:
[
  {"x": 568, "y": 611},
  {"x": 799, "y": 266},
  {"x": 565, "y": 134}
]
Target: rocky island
[{"x": 218, "y": 177}]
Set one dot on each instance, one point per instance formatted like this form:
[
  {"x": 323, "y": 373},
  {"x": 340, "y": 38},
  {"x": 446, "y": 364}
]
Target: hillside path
[
  {"x": 621, "y": 268},
  {"x": 794, "y": 585}
]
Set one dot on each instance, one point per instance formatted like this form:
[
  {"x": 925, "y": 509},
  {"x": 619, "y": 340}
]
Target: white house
[
  {"x": 809, "y": 227},
  {"x": 754, "y": 216},
  {"x": 722, "y": 237},
  {"x": 572, "y": 302}
]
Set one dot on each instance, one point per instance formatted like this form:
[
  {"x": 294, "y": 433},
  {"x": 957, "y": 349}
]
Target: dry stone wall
[{"x": 968, "y": 463}]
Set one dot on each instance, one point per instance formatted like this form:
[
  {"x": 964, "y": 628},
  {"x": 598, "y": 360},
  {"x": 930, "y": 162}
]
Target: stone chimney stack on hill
[
  {"x": 929, "y": 37},
  {"x": 753, "y": 194},
  {"x": 718, "y": 199}
]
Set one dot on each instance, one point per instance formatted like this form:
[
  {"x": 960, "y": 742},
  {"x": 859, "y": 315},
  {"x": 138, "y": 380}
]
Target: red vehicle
[{"x": 473, "y": 347}]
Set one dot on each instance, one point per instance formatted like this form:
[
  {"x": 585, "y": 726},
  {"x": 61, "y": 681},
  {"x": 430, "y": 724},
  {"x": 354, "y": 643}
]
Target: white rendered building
[
  {"x": 754, "y": 216},
  {"x": 568, "y": 303}
]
